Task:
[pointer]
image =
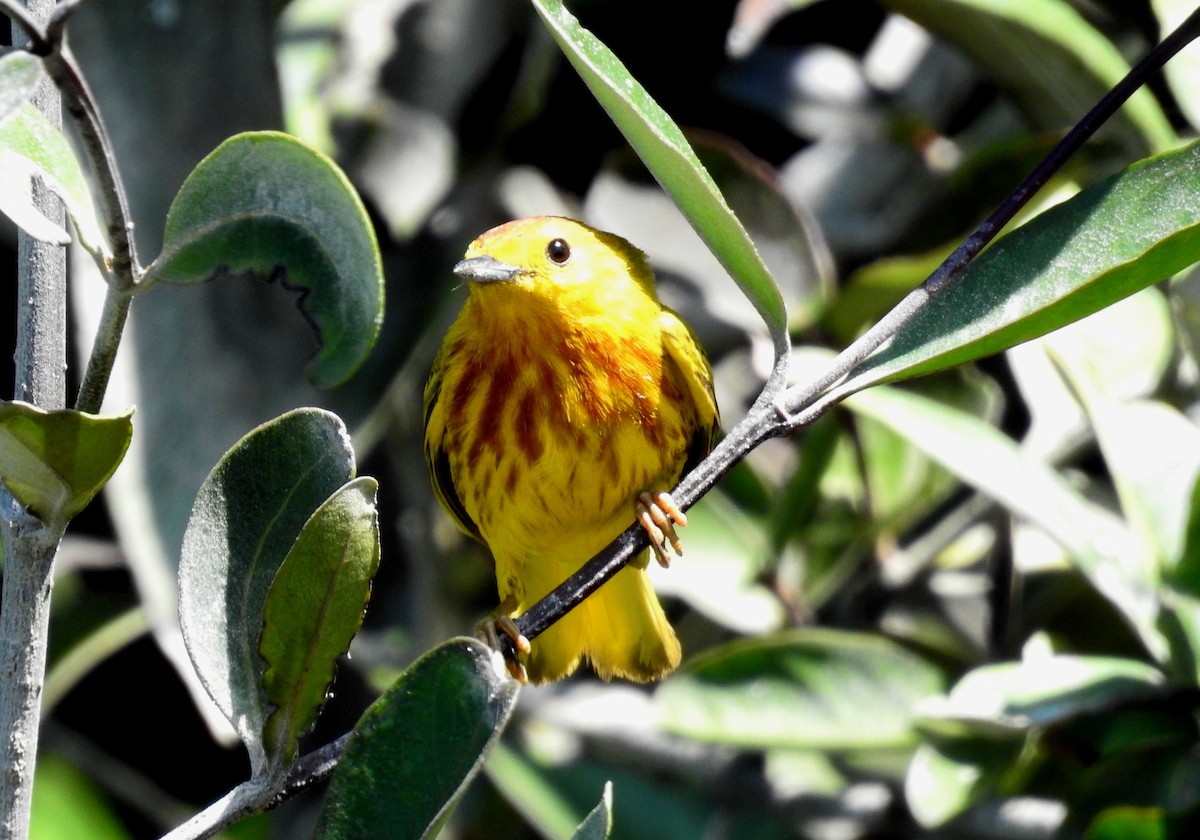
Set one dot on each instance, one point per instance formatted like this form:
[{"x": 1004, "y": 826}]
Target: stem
[
  {"x": 29, "y": 545},
  {"x": 797, "y": 399},
  {"x": 254, "y": 796},
  {"x": 800, "y": 406}
]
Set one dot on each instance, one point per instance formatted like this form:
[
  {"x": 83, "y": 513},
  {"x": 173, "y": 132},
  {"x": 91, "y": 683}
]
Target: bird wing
[
  {"x": 437, "y": 459},
  {"x": 684, "y": 351}
]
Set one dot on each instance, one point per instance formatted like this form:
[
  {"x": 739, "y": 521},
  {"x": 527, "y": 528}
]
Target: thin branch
[
  {"x": 800, "y": 406},
  {"x": 123, "y": 270},
  {"x": 255, "y": 796},
  {"x": 797, "y": 399}
]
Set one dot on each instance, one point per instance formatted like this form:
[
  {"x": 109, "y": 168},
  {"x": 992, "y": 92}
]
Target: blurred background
[{"x": 859, "y": 145}]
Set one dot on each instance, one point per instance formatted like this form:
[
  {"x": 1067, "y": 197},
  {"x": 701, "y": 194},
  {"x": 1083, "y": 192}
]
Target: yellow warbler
[{"x": 564, "y": 402}]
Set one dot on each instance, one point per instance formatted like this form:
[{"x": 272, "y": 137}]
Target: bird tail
[{"x": 621, "y": 629}]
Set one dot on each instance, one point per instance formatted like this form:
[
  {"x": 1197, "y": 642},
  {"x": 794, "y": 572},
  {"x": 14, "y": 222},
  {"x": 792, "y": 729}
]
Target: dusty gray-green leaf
[
  {"x": 55, "y": 462},
  {"x": 669, "y": 157},
  {"x": 266, "y": 204},
  {"x": 415, "y": 749},
  {"x": 314, "y": 608},
  {"x": 245, "y": 520},
  {"x": 30, "y": 146}
]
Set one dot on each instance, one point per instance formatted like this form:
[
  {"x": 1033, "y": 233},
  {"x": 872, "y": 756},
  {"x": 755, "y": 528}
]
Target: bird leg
[
  {"x": 658, "y": 515},
  {"x": 500, "y": 623}
]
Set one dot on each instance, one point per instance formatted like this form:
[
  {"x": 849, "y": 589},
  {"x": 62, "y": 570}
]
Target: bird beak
[{"x": 486, "y": 270}]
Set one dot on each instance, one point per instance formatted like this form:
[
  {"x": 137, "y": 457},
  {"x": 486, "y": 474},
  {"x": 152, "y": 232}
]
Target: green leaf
[
  {"x": 246, "y": 518},
  {"x": 810, "y": 688},
  {"x": 1111, "y": 240},
  {"x": 1100, "y": 545},
  {"x": 266, "y": 204},
  {"x": 1182, "y": 72},
  {"x": 1010, "y": 698},
  {"x": 943, "y": 780},
  {"x": 67, "y": 805},
  {"x": 669, "y": 157},
  {"x": 598, "y": 824},
  {"x": 1052, "y": 62},
  {"x": 314, "y": 608},
  {"x": 415, "y": 749},
  {"x": 30, "y": 146},
  {"x": 54, "y": 462},
  {"x": 20, "y": 73}
]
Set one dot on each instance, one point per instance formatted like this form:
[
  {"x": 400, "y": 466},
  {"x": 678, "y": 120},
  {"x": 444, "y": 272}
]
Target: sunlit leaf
[
  {"x": 669, "y": 157},
  {"x": 314, "y": 608},
  {"x": 30, "y": 146},
  {"x": 810, "y": 688},
  {"x": 246, "y": 518},
  {"x": 54, "y": 462}
]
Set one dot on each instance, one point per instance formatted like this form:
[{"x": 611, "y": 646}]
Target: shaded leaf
[
  {"x": 1049, "y": 59},
  {"x": 54, "y": 462},
  {"x": 810, "y": 688},
  {"x": 247, "y": 515},
  {"x": 598, "y": 824},
  {"x": 669, "y": 157},
  {"x": 265, "y": 203},
  {"x": 415, "y": 749},
  {"x": 314, "y": 608},
  {"x": 30, "y": 146},
  {"x": 1106, "y": 243}
]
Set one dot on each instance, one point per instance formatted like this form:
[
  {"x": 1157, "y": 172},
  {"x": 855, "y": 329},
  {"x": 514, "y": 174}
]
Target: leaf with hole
[{"x": 264, "y": 203}]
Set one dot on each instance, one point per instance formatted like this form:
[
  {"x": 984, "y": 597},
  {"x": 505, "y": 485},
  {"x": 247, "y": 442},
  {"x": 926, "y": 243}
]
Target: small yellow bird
[{"x": 564, "y": 402}]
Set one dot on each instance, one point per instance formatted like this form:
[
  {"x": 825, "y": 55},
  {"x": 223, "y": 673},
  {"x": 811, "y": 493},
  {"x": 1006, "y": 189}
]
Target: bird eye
[{"x": 558, "y": 251}]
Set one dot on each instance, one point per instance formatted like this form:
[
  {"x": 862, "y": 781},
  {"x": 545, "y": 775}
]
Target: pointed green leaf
[
  {"x": 20, "y": 73},
  {"x": 1049, "y": 59},
  {"x": 1111, "y": 240},
  {"x": 266, "y": 204},
  {"x": 598, "y": 824},
  {"x": 810, "y": 688},
  {"x": 669, "y": 157},
  {"x": 54, "y": 462},
  {"x": 30, "y": 146},
  {"x": 415, "y": 749},
  {"x": 314, "y": 608},
  {"x": 246, "y": 518}
]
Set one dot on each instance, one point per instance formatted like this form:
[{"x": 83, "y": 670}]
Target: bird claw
[
  {"x": 658, "y": 514},
  {"x": 497, "y": 631}
]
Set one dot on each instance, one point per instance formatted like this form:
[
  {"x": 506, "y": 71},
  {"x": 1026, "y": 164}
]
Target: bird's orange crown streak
[{"x": 562, "y": 392}]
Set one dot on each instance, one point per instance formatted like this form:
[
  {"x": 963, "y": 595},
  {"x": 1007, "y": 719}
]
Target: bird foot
[
  {"x": 499, "y": 628},
  {"x": 658, "y": 514}
]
